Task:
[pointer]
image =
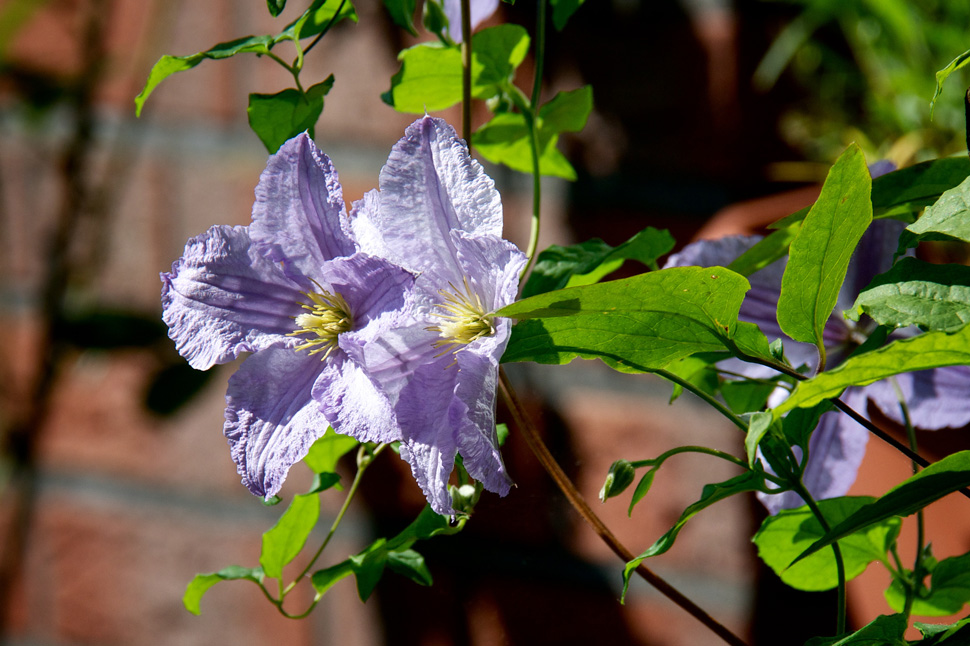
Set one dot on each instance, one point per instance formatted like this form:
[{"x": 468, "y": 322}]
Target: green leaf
[
  {"x": 324, "y": 481},
  {"x": 932, "y": 483},
  {"x": 884, "y": 630},
  {"x": 429, "y": 79},
  {"x": 275, "y": 7},
  {"x": 773, "y": 247},
  {"x": 506, "y": 138},
  {"x": 920, "y": 184},
  {"x": 426, "y": 525},
  {"x": 168, "y": 65},
  {"x": 955, "y": 634},
  {"x": 941, "y": 76},
  {"x": 743, "y": 396},
  {"x": 199, "y": 585},
  {"x": 819, "y": 255},
  {"x": 320, "y": 15},
  {"x": 402, "y": 13},
  {"x": 712, "y": 493},
  {"x": 588, "y": 262},
  {"x": 496, "y": 53},
  {"x": 947, "y": 219},
  {"x": 620, "y": 477},
  {"x": 914, "y": 292},
  {"x": 281, "y": 116},
  {"x": 784, "y": 536},
  {"x": 327, "y": 450},
  {"x": 921, "y": 352},
  {"x": 562, "y": 11},
  {"x": 758, "y": 425},
  {"x": 643, "y": 488},
  {"x": 633, "y": 324},
  {"x": 323, "y": 580},
  {"x": 369, "y": 567},
  {"x": 410, "y": 564},
  {"x": 949, "y": 590},
  {"x": 286, "y": 538}
]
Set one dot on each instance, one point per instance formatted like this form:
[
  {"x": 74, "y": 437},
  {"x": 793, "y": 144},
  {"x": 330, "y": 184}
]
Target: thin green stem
[
  {"x": 532, "y": 121},
  {"x": 364, "y": 459},
  {"x": 836, "y": 550},
  {"x": 576, "y": 499},
  {"x": 466, "y": 73},
  {"x": 690, "y": 449},
  {"x": 710, "y": 399},
  {"x": 912, "y": 590},
  {"x": 323, "y": 32}
]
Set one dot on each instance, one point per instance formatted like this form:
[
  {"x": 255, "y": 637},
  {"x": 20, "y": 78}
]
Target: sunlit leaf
[
  {"x": 283, "y": 542},
  {"x": 819, "y": 255},
  {"x": 787, "y": 534},
  {"x": 199, "y": 585},
  {"x": 275, "y": 118}
]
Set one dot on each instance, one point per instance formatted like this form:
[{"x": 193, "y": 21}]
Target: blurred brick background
[{"x": 129, "y": 506}]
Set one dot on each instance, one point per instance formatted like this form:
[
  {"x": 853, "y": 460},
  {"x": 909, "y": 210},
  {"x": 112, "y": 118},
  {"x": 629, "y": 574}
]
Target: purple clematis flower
[
  {"x": 481, "y": 10},
  {"x": 438, "y": 215},
  {"x": 294, "y": 290},
  {"x": 935, "y": 398}
]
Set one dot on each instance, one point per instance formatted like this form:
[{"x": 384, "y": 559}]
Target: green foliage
[
  {"x": 953, "y": 634},
  {"x": 278, "y": 117},
  {"x": 506, "y": 139},
  {"x": 318, "y": 16},
  {"x": 283, "y": 542},
  {"x": 957, "y": 63},
  {"x": 921, "y": 352},
  {"x": 275, "y": 7},
  {"x": 932, "y": 483},
  {"x": 327, "y": 450},
  {"x": 787, "y": 534},
  {"x": 884, "y": 630},
  {"x": 712, "y": 493},
  {"x": 819, "y": 254},
  {"x": 588, "y": 262},
  {"x": 947, "y": 219},
  {"x": 402, "y": 13},
  {"x": 562, "y": 11},
  {"x": 430, "y": 76},
  {"x": 633, "y": 324},
  {"x": 199, "y": 585},
  {"x": 948, "y": 592},
  {"x": 914, "y": 292}
]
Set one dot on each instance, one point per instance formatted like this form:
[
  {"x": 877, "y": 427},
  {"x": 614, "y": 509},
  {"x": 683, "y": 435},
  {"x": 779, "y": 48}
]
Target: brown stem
[{"x": 579, "y": 504}]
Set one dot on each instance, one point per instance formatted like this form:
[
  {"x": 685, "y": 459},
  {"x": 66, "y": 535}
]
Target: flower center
[
  {"x": 327, "y": 316},
  {"x": 463, "y": 318}
]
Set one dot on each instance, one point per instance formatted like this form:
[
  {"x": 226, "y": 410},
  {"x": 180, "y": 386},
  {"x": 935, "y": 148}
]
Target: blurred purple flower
[
  {"x": 480, "y": 11},
  {"x": 935, "y": 398},
  {"x": 293, "y": 290},
  {"x": 438, "y": 215}
]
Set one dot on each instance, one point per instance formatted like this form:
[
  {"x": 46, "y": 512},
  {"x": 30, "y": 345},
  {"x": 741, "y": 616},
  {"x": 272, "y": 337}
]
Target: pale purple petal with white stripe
[
  {"x": 271, "y": 419},
  {"x": 223, "y": 298}
]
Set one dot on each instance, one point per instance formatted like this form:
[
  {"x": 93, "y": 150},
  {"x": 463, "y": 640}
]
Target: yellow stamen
[
  {"x": 463, "y": 319},
  {"x": 327, "y": 316}
]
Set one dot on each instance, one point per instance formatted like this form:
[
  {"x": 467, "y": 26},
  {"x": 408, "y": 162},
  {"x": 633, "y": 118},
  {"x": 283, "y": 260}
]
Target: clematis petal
[
  {"x": 353, "y": 403},
  {"x": 480, "y": 10},
  {"x": 836, "y": 450},
  {"x": 428, "y": 413},
  {"x": 223, "y": 297},
  {"x": 271, "y": 418},
  {"x": 298, "y": 215},
  {"x": 477, "y": 438},
  {"x": 492, "y": 266},
  {"x": 429, "y": 186},
  {"x": 936, "y": 399},
  {"x": 374, "y": 289}
]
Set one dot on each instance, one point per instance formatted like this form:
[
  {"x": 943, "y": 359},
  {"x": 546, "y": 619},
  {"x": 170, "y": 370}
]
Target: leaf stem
[
  {"x": 912, "y": 590},
  {"x": 466, "y": 73},
  {"x": 364, "y": 458},
  {"x": 836, "y": 550},
  {"x": 532, "y": 121},
  {"x": 710, "y": 399},
  {"x": 579, "y": 504}
]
